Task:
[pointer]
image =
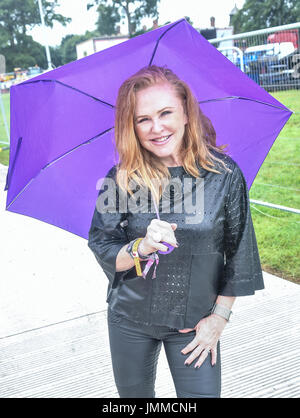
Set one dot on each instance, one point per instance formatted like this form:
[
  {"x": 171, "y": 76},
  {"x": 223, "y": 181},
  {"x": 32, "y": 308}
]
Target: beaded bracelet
[
  {"x": 132, "y": 249},
  {"x": 129, "y": 250}
]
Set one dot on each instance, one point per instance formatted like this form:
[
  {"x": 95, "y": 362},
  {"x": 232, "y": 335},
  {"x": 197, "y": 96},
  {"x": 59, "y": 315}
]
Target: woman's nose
[{"x": 157, "y": 126}]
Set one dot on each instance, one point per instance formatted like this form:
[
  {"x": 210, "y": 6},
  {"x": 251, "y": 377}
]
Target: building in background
[
  {"x": 98, "y": 44},
  {"x": 214, "y": 32},
  {"x": 102, "y": 42}
]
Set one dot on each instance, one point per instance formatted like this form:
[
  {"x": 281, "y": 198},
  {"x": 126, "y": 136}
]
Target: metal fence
[{"x": 271, "y": 57}]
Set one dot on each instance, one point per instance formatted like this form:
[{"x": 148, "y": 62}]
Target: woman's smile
[{"x": 161, "y": 141}]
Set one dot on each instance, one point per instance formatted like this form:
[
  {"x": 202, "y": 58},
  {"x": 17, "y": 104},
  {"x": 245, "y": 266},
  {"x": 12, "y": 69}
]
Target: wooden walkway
[{"x": 260, "y": 353}]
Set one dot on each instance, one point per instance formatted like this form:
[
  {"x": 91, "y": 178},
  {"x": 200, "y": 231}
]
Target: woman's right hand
[{"x": 158, "y": 231}]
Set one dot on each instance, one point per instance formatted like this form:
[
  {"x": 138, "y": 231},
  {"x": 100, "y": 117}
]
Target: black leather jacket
[{"x": 217, "y": 256}]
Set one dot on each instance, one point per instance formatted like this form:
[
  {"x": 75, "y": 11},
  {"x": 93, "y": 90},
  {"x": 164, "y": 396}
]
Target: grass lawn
[
  {"x": 278, "y": 182},
  {"x": 4, "y": 154}
]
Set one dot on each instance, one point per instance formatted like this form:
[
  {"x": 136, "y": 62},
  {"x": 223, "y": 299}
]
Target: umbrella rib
[
  {"x": 243, "y": 98},
  {"x": 73, "y": 88},
  {"x": 78, "y": 146},
  {"x": 158, "y": 40},
  {"x": 11, "y": 170},
  {"x": 58, "y": 158}
]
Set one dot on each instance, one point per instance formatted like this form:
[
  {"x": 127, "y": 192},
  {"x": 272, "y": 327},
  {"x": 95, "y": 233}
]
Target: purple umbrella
[{"x": 62, "y": 121}]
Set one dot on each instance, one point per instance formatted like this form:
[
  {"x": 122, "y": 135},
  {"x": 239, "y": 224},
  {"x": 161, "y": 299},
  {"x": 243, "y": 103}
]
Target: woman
[{"x": 182, "y": 299}]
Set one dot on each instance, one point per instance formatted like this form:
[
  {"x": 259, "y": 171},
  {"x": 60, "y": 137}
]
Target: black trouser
[{"x": 135, "y": 349}]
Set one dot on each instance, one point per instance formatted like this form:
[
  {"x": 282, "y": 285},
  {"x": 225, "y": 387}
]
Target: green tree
[
  {"x": 260, "y": 14},
  {"x": 108, "y": 19},
  {"x": 16, "y": 18},
  {"x": 67, "y": 49},
  {"x": 24, "y": 55},
  {"x": 56, "y": 57},
  {"x": 111, "y": 13}
]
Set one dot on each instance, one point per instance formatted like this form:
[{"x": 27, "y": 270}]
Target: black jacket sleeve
[
  {"x": 242, "y": 271},
  {"x": 107, "y": 237}
]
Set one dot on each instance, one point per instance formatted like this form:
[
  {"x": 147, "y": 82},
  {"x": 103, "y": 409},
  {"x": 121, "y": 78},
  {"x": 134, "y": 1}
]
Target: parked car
[
  {"x": 290, "y": 35},
  {"x": 33, "y": 71},
  {"x": 270, "y": 64}
]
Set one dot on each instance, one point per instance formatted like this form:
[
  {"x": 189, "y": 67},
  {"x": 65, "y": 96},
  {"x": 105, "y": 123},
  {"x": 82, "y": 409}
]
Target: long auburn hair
[{"x": 141, "y": 166}]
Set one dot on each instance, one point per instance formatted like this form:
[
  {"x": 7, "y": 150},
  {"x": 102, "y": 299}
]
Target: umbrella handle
[
  {"x": 170, "y": 247},
  {"x": 169, "y": 250}
]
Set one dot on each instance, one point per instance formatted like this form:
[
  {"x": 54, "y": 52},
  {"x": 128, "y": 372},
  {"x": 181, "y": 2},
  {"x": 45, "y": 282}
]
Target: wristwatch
[{"x": 221, "y": 311}]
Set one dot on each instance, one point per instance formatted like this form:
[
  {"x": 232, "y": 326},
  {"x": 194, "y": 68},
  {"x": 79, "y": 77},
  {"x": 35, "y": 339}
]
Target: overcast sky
[{"x": 199, "y": 11}]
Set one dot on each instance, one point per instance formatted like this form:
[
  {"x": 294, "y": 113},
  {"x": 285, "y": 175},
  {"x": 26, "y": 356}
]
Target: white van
[{"x": 279, "y": 50}]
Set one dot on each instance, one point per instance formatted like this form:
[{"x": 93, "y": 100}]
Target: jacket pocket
[{"x": 205, "y": 277}]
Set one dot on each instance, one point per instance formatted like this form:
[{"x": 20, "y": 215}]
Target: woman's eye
[
  {"x": 142, "y": 120},
  {"x": 165, "y": 113}
]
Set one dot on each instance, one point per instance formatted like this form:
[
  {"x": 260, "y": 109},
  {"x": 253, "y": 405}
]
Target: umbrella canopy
[{"x": 62, "y": 121}]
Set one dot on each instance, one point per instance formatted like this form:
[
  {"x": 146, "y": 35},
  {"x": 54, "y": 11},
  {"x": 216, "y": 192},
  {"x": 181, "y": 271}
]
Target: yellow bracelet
[{"x": 136, "y": 257}]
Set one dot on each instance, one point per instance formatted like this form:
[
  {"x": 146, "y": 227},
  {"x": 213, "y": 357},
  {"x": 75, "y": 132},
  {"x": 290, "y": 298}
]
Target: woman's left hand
[{"x": 208, "y": 332}]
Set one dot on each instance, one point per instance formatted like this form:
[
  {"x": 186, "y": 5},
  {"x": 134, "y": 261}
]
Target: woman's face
[{"x": 160, "y": 122}]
